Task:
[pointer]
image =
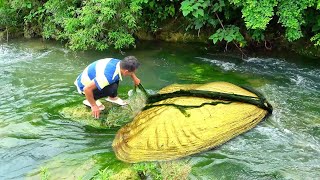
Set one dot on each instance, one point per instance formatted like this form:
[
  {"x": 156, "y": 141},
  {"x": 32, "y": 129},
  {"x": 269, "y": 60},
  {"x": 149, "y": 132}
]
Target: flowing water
[{"x": 36, "y": 80}]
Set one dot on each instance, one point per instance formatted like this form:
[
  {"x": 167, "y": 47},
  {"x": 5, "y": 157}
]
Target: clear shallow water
[{"x": 36, "y": 82}]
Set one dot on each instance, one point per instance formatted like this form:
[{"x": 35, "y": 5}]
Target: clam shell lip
[{"x": 164, "y": 133}]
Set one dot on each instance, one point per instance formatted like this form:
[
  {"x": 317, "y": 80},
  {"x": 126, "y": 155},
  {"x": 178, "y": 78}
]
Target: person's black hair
[{"x": 129, "y": 63}]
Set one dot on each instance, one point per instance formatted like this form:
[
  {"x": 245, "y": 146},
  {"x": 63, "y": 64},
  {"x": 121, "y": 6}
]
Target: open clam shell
[{"x": 165, "y": 133}]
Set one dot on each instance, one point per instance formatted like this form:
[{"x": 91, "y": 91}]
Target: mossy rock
[
  {"x": 125, "y": 174},
  {"x": 83, "y": 114},
  {"x": 112, "y": 116}
]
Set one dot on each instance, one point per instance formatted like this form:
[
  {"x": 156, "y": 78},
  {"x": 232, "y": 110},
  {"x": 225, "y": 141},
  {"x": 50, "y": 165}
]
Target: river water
[{"x": 36, "y": 80}]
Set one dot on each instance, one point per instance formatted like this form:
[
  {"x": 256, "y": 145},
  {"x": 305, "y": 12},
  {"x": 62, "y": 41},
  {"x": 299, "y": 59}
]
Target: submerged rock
[{"x": 113, "y": 115}]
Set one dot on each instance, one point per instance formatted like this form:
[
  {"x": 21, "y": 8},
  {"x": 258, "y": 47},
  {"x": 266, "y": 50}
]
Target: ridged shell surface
[{"x": 165, "y": 133}]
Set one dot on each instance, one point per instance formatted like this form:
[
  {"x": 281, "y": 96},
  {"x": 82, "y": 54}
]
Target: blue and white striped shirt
[{"x": 103, "y": 72}]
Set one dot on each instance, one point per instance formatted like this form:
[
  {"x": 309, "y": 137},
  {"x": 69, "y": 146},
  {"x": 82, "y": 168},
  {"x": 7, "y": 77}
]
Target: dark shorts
[{"x": 110, "y": 90}]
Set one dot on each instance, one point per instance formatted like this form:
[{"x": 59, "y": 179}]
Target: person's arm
[
  {"x": 135, "y": 79},
  {"x": 88, "y": 91}
]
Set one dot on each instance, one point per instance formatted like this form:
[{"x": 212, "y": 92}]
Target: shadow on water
[{"x": 37, "y": 83}]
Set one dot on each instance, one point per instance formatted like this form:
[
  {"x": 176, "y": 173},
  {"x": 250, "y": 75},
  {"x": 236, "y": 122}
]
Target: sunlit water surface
[{"x": 36, "y": 82}]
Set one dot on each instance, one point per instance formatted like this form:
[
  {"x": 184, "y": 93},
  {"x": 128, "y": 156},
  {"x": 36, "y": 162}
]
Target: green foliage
[
  {"x": 160, "y": 9},
  {"x": 204, "y": 13},
  {"x": 257, "y": 35},
  {"x": 256, "y": 13},
  {"x": 206, "y": 20},
  {"x": 120, "y": 39},
  {"x": 195, "y": 7},
  {"x": 8, "y": 17},
  {"x": 228, "y": 34},
  {"x": 290, "y": 14},
  {"x": 199, "y": 19},
  {"x": 163, "y": 170},
  {"x": 315, "y": 28},
  {"x": 156, "y": 13},
  {"x": 101, "y": 24},
  {"x": 88, "y": 24},
  {"x": 103, "y": 174},
  {"x": 172, "y": 170},
  {"x": 148, "y": 170},
  {"x": 8, "y": 12},
  {"x": 44, "y": 173},
  {"x": 197, "y": 10},
  {"x": 169, "y": 170},
  {"x": 316, "y": 39}
]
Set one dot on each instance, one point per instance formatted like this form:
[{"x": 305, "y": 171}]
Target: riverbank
[{"x": 302, "y": 47}]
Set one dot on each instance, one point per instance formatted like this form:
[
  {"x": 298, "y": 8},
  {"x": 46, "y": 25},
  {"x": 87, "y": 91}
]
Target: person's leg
[{"x": 110, "y": 90}]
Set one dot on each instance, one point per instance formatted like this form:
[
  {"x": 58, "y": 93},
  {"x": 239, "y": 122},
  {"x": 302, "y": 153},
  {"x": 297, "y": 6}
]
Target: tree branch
[{"x": 243, "y": 54}]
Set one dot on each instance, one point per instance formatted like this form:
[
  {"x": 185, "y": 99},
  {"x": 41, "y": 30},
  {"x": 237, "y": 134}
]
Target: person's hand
[
  {"x": 136, "y": 81},
  {"x": 95, "y": 112}
]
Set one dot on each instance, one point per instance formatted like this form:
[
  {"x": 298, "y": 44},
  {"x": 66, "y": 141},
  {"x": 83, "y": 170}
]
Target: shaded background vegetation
[{"x": 101, "y": 24}]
